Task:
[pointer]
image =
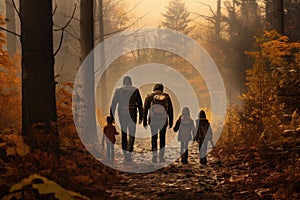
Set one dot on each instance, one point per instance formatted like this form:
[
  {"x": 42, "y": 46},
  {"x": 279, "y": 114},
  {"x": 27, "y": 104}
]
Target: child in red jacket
[{"x": 109, "y": 133}]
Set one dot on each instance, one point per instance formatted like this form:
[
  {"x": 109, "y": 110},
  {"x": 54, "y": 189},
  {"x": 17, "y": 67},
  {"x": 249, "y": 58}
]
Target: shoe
[
  {"x": 203, "y": 161},
  {"x": 129, "y": 159},
  {"x": 184, "y": 162},
  {"x": 112, "y": 163},
  {"x": 162, "y": 160},
  {"x": 154, "y": 159}
]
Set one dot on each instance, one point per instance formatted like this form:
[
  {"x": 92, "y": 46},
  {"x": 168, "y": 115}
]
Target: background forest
[{"x": 254, "y": 43}]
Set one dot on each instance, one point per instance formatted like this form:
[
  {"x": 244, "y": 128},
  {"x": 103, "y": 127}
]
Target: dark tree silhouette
[
  {"x": 292, "y": 24},
  {"x": 38, "y": 86},
  {"x": 87, "y": 45},
  {"x": 177, "y": 17},
  {"x": 275, "y": 15}
]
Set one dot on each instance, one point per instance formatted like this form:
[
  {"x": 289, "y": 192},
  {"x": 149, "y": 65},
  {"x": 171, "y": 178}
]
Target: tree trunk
[
  {"x": 89, "y": 131},
  {"x": 275, "y": 15},
  {"x": 11, "y": 25},
  {"x": 278, "y": 16},
  {"x": 218, "y": 19},
  {"x": 38, "y": 85},
  {"x": 86, "y": 28},
  {"x": 104, "y": 76}
]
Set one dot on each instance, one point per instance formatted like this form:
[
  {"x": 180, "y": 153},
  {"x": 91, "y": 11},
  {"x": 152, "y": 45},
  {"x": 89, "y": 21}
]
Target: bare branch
[
  {"x": 123, "y": 29},
  {"x": 55, "y": 8},
  {"x": 204, "y": 4},
  {"x": 211, "y": 19},
  {"x": 101, "y": 15},
  {"x": 198, "y": 15},
  {"x": 199, "y": 24},
  {"x": 16, "y": 9},
  {"x": 76, "y": 37},
  {"x": 60, "y": 43},
  {"x": 68, "y": 22},
  {"x": 74, "y": 18},
  {"x": 133, "y": 8},
  {"x": 128, "y": 11},
  {"x": 62, "y": 32},
  {"x": 4, "y": 29}
]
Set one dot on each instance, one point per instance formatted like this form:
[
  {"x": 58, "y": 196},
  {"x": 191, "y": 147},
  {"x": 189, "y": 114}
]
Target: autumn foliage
[
  {"x": 57, "y": 177},
  {"x": 273, "y": 92},
  {"x": 10, "y": 88},
  {"x": 264, "y": 132}
]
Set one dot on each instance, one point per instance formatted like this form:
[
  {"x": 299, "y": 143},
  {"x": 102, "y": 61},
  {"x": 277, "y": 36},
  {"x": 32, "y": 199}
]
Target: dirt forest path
[{"x": 176, "y": 181}]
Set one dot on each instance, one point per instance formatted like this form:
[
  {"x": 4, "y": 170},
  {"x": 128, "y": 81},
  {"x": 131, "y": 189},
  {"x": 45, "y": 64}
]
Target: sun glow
[{"x": 152, "y": 9}]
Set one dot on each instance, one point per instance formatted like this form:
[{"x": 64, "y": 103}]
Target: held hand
[
  {"x": 140, "y": 121},
  {"x": 145, "y": 126},
  {"x": 113, "y": 119},
  {"x": 170, "y": 125}
]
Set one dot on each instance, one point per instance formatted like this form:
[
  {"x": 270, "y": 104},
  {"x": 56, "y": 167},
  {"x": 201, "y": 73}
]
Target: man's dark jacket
[{"x": 129, "y": 99}]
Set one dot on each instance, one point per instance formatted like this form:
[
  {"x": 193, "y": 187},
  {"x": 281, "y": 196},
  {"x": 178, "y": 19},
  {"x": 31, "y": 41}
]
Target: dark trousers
[
  {"x": 203, "y": 150},
  {"x": 211, "y": 142},
  {"x": 203, "y": 147},
  {"x": 155, "y": 131},
  {"x": 184, "y": 150},
  {"x": 110, "y": 151},
  {"x": 128, "y": 128}
]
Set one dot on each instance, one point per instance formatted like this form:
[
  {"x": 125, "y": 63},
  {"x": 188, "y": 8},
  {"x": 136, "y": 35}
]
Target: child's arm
[
  {"x": 115, "y": 131},
  {"x": 102, "y": 142},
  {"x": 196, "y": 137}
]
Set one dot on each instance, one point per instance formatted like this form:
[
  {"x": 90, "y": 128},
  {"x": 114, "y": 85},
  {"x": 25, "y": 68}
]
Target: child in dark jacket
[
  {"x": 203, "y": 135},
  {"x": 109, "y": 137},
  {"x": 185, "y": 126}
]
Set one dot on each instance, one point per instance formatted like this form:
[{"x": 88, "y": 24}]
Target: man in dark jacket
[
  {"x": 129, "y": 102},
  {"x": 160, "y": 109}
]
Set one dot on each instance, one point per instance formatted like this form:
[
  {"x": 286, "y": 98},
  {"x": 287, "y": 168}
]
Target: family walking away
[{"x": 158, "y": 114}]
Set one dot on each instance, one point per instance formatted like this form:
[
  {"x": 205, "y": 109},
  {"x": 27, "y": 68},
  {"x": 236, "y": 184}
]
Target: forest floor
[{"x": 240, "y": 173}]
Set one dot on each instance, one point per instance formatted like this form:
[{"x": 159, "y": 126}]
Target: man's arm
[
  {"x": 139, "y": 105},
  {"x": 170, "y": 112},
  {"x": 145, "y": 112},
  {"x": 114, "y": 103},
  {"x": 196, "y": 137}
]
